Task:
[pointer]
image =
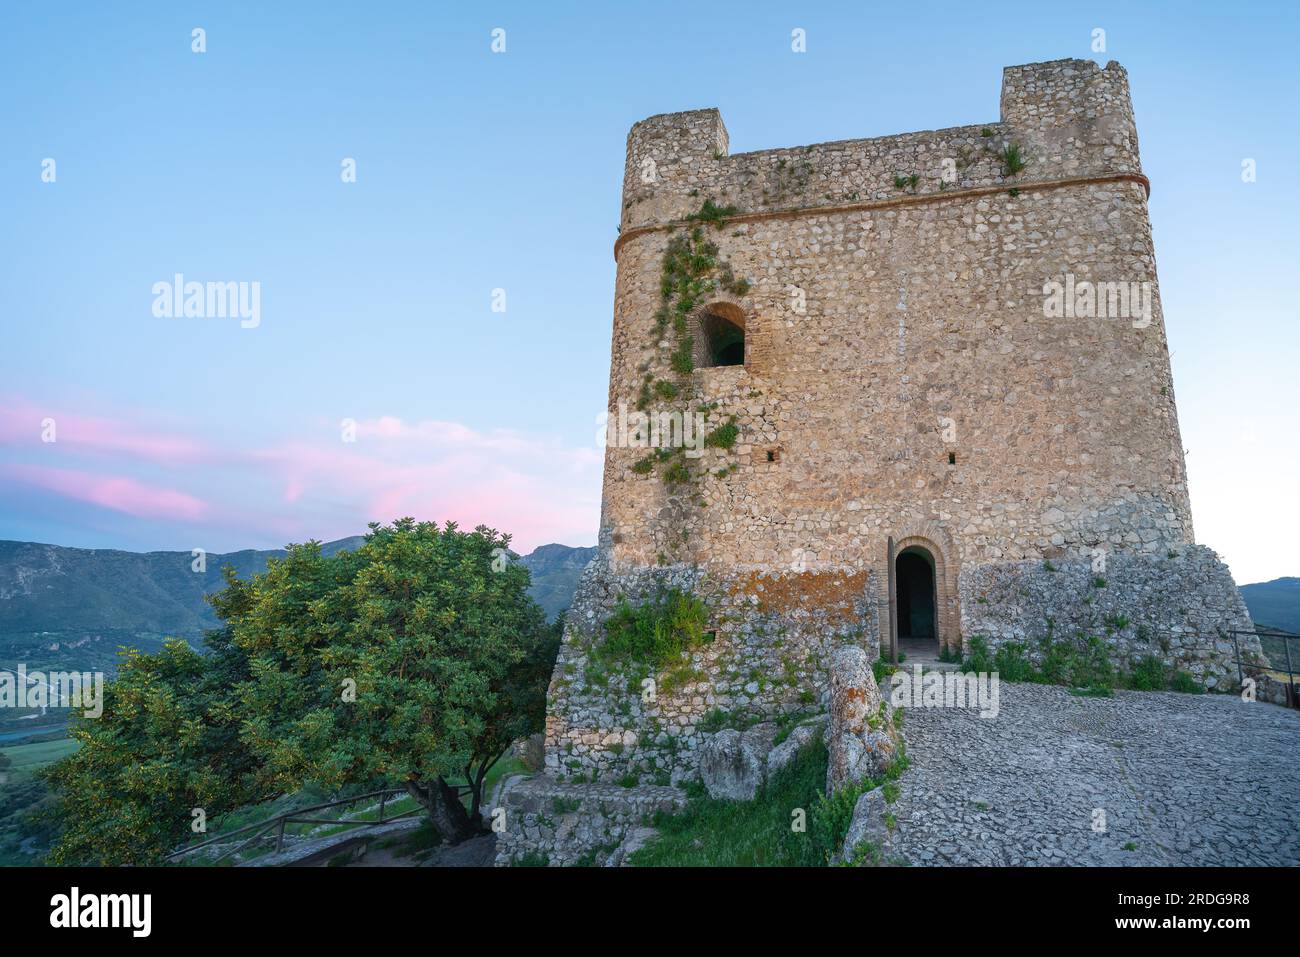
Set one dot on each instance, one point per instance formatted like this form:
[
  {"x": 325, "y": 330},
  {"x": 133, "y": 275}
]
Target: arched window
[{"x": 722, "y": 328}]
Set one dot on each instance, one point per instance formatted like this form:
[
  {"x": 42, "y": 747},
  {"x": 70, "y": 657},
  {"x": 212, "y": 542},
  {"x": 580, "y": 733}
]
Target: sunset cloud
[
  {"x": 313, "y": 484},
  {"x": 116, "y": 492}
]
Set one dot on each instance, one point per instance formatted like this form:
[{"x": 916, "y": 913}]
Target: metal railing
[
  {"x": 263, "y": 831},
  {"x": 1286, "y": 637}
]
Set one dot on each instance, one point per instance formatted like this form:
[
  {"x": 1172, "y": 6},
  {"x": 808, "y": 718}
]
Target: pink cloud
[
  {"x": 116, "y": 492},
  {"x": 526, "y": 485},
  {"x": 317, "y": 486},
  {"x": 23, "y": 423}
]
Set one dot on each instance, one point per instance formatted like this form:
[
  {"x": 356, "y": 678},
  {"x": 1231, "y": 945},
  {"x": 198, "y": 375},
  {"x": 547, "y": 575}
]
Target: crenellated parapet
[{"x": 1069, "y": 119}]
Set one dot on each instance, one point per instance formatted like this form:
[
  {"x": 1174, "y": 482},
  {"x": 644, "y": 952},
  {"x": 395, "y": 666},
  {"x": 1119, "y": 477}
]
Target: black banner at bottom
[{"x": 220, "y": 906}]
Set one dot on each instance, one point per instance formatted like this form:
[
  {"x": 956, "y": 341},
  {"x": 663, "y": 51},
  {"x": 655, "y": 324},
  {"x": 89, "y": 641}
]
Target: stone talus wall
[{"x": 1179, "y": 606}]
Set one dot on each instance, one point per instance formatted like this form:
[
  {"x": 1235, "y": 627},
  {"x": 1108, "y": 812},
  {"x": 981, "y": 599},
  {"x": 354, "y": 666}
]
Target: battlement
[{"x": 1069, "y": 119}]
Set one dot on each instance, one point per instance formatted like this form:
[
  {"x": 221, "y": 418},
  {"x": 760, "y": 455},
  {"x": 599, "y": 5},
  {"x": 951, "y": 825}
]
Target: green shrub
[
  {"x": 1148, "y": 673},
  {"x": 677, "y": 473},
  {"x": 724, "y": 436},
  {"x": 1012, "y": 160},
  {"x": 655, "y": 633},
  {"x": 665, "y": 389},
  {"x": 1184, "y": 682},
  {"x": 1054, "y": 661},
  {"x": 712, "y": 213},
  {"x": 978, "y": 656},
  {"x": 1012, "y": 663}
]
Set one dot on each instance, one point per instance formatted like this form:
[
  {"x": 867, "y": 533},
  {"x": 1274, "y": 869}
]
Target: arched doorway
[{"x": 918, "y": 635}]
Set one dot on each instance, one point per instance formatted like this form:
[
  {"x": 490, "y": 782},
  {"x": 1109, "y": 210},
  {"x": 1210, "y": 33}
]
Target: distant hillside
[
  {"x": 1275, "y": 603},
  {"x": 75, "y": 607},
  {"x": 555, "y": 570}
]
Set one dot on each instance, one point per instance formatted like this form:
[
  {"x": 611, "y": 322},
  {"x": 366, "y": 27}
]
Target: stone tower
[{"x": 931, "y": 368}]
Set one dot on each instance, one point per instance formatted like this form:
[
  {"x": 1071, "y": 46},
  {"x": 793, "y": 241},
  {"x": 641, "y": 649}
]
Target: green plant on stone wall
[
  {"x": 1012, "y": 160},
  {"x": 724, "y": 436},
  {"x": 691, "y": 275},
  {"x": 646, "y": 638}
]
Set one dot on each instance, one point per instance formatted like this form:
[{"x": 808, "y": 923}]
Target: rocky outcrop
[
  {"x": 867, "y": 839},
  {"x": 803, "y": 734},
  {"x": 732, "y": 767},
  {"x": 860, "y": 735}
]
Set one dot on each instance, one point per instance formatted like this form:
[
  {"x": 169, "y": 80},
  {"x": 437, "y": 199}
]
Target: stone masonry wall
[
  {"x": 568, "y": 824},
  {"x": 773, "y": 639}
]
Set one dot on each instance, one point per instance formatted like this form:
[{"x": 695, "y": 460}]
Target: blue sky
[{"x": 478, "y": 171}]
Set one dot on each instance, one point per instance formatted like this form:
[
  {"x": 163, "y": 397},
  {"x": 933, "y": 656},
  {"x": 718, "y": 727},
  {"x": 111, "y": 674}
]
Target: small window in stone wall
[
  {"x": 952, "y": 458},
  {"x": 771, "y": 456},
  {"x": 722, "y": 336}
]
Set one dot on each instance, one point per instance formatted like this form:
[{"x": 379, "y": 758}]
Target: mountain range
[
  {"x": 74, "y": 607},
  {"x": 1275, "y": 603}
]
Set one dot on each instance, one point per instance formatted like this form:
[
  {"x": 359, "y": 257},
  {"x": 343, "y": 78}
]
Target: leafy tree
[
  {"x": 415, "y": 660},
  {"x": 167, "y": 743}
]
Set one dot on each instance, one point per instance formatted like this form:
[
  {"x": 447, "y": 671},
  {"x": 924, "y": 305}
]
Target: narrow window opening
[
  {"x": 724, "y": 340},
  {"x": 952, "y": 458}
]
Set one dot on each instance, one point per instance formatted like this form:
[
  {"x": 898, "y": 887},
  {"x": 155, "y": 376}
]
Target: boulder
[
  {"x": 730, "y": 767},
  {"x": 785, "y": 752},
  {"x": 860, "y": 734},
  {"x": 633, "y": 841},
  {"x": 760, "y": 737},
  {"x": 867, "y": 838}
]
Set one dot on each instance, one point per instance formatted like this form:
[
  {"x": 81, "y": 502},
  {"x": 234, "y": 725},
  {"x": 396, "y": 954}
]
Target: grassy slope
[
  {"x": 759, "y": 833},
  {"x": 21, "y": 793}
]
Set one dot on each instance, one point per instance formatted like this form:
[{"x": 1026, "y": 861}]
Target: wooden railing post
[{"x": 279, "y": 836}]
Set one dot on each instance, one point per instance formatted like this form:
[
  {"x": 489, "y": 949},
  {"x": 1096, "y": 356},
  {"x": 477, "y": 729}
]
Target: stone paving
[{"x": 1175, "y": 779}]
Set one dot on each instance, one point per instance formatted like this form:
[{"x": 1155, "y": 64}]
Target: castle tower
[{"x": 933, "y": 377}]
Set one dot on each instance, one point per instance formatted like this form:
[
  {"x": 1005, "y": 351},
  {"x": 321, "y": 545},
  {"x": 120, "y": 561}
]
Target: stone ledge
[{"x": 569, "y": 823}]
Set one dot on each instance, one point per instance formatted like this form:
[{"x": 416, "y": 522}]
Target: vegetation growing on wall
[
  {"x": 692, "y": 274},
  {"x": 1083, "y": 663},
  {"x": 654, "y": 635}
]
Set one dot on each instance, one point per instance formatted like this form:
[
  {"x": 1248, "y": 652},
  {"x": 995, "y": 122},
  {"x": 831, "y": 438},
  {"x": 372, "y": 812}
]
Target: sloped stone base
[{"x": 1180, "y": 606}]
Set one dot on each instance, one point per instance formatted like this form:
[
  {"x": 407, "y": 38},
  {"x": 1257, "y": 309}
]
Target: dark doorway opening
[{"x": 914, "y": 569}]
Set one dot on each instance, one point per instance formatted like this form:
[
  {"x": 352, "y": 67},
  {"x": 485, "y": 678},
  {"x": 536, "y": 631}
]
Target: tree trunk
[
  {"x": 475, "y": 779},
  {"x": 442, "y": 802}
]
